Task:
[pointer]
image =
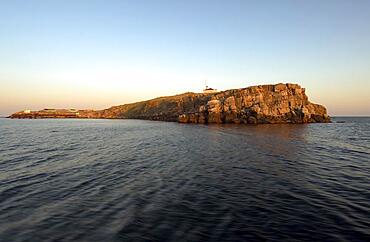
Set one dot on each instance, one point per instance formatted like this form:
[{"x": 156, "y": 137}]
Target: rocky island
[{"x": 280, "y": 103}]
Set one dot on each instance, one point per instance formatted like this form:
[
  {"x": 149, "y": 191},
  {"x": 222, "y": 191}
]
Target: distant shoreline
[{"x": 262, "y": 104}]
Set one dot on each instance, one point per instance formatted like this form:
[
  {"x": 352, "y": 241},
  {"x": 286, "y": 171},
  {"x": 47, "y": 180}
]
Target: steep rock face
[{"x": 280, "y": 103}]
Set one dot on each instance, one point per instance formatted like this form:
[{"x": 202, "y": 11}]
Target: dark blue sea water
[{"x": 132, "y": 180}]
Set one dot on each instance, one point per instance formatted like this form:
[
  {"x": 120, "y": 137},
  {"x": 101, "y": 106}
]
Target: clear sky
[{"x": 95, "y": 54}]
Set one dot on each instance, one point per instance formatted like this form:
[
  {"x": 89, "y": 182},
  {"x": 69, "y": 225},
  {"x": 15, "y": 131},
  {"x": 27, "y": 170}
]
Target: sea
[{"x": 135, "y": 180}]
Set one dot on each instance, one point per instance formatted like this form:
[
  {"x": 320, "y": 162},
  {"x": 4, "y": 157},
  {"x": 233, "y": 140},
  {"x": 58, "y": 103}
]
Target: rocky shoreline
[{"x": 280, "y": 103}]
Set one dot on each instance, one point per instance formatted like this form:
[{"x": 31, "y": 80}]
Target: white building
[{"x": 209, "y": 90}]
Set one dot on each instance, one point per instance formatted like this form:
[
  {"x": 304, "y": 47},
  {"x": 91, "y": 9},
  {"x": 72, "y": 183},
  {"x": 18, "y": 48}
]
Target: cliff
[{"x": 280, "y": 103}]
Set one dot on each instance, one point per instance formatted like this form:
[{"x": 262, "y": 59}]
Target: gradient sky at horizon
[{"x": 95, "y": 54}]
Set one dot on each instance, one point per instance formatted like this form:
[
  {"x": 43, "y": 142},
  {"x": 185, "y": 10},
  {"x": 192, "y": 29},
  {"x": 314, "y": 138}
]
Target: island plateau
[{"x": 279, "y": 103}]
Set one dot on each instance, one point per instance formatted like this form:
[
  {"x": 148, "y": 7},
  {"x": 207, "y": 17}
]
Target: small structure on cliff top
[
  {"x": 262, "y": 104},
  {"x": 208, "y": 89}
]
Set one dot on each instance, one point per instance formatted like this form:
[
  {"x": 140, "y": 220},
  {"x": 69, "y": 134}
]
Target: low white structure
[{"x": 209, "y": 90}]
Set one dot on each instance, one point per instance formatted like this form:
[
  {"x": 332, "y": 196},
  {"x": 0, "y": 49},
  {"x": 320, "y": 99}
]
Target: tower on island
[{"x": 208, "y": 89}]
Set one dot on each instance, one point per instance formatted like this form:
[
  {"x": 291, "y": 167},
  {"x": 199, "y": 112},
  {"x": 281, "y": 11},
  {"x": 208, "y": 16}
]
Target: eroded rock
[{"x": 280, "y": 103}]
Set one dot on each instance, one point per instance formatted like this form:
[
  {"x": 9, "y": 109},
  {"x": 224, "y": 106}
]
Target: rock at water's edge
[{"x": 280, "y": 103}]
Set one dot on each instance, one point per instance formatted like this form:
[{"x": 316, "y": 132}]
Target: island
[{"x": 262, "y": 104}]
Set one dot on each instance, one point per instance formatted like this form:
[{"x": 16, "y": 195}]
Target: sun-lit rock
[{"x": 280, "y": 103}]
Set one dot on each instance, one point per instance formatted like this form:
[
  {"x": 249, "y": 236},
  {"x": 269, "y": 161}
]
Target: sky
[{"x": 96, "y": 54}]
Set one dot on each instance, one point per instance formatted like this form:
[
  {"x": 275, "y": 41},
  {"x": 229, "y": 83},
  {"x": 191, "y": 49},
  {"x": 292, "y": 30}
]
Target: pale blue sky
[{"x": 95, "y": 54}]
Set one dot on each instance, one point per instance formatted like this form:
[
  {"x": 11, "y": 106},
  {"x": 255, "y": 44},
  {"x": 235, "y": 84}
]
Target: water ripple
[{"x": 130, "y": 180}]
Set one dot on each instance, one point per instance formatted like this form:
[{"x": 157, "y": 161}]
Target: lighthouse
[{"x": 208, "y": 89}]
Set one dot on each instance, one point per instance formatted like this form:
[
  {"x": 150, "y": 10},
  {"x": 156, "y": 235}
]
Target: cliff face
[{"x": 281, "y": 103}]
